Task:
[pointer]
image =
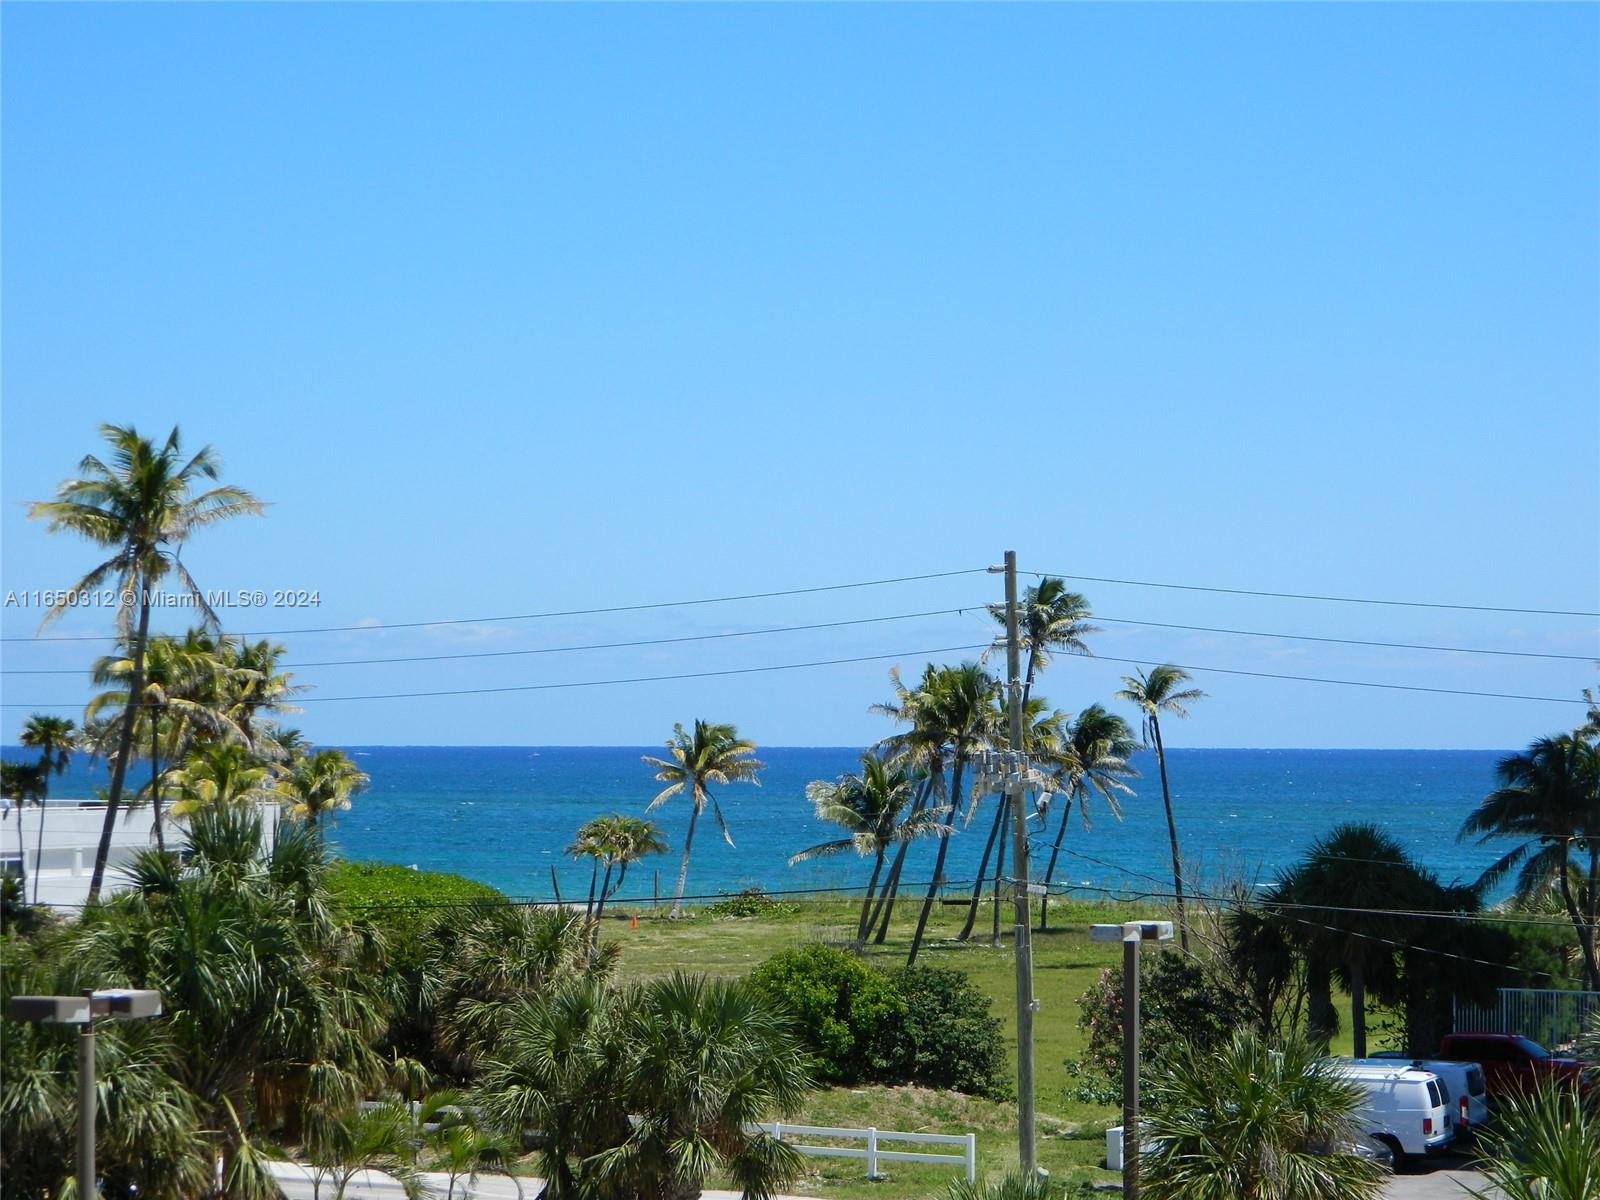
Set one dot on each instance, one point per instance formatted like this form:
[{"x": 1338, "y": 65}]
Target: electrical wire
[
  {"x": 538, "y": 616},
  {"x": 1191, "y": 587}
]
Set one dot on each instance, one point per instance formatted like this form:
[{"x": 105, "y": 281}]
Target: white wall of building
[{"x": 62, "y": 863}]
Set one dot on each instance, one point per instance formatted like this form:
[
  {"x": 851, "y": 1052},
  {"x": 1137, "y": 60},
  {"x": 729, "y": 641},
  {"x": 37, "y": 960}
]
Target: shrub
[
  {"x": 404, "y": 904},
  {"x": 1181, "y": 1005},
  {"x": 848, "y": 1013},
  {"x": 752, "y": 902},
  {"x": 948, "y": 1037}
]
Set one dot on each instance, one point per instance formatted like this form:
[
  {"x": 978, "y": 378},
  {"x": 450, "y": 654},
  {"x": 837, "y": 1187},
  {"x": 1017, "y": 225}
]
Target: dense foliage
[{"x": 925, "y": 1025}]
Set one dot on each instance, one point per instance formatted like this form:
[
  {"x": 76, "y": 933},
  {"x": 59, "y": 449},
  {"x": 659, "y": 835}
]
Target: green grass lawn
[{"x": 1071, "y": 1135}]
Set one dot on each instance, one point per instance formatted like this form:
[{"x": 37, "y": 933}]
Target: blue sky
[{"x": 519, "y": 308}]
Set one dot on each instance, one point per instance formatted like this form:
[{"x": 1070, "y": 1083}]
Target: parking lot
[{"x": 1448, "y": 1178}]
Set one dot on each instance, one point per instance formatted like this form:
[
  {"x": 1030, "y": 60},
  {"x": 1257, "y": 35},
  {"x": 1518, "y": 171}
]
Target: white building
[{"x": 61, "y": 864}]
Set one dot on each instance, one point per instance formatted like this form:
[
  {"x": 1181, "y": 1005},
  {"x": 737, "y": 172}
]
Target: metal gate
[{"x": 1550, "y": 1017}]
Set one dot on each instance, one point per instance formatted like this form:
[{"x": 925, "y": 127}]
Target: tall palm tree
[
  {"x": 142, "y": 507},
  {"x": 1254, "y": 1122},
  {"x": 922, "y": 746},
  {"x": 1043, "y": 737},
  {"x": 1161, "y": 691},
  {"x": 875, "y": 810},
  {"x": 182, "y": 702},
  {"x": 322, "y": 782},
  {"x": 1052, "y": 619},
  {"x": 55, "y": 738},
  {"x": 960, "y": 711},
  {"x": 711, "y": 754},
  {"x": 1098, "y": 748},
  {"x": 1549, "y": 797},
  {"x": 257, "y": 686},
  {"x": 1351, "y": 872}
]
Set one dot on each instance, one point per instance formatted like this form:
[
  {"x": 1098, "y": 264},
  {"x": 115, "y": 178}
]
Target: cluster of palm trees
[
  {"x": 917, "y": 783},
  {"x": 282, "y": 1016},
  {"x": 614, "y": 843}
]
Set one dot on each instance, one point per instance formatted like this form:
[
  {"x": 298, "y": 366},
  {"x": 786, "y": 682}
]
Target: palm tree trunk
[
  {"x": 119, "y": 769},
  {"x": 683, "y": 865},
  {"x": 594, "y": 874},
  {"x": 605, "y": 884},
  {"x": 938, "y": 865},
  {"x": 1585, "y": 932},
  {"x": 1172, "y": 833},
  {"x": 38, "y": 845},
  {"x": 999, "y": 869},
  {"x": 891, "y": 886},
  {"x": 1322, "y": 1019},
  {"x": 1055, "y": 853},
  {"x": 1358, "y": 1006},
  {"x": 866, "y": 903},
  {"x": 22, "y": 856},
  {"x": 983, "y": 870},
  {"x": 155, "y": 785}
]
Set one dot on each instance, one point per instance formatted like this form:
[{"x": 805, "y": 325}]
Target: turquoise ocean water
[{"x": 505, "y": 814}]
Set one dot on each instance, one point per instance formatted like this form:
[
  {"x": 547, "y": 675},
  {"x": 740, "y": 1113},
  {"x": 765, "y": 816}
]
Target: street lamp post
[
  {"x": 120, "y": 1004},
  {"x": 1132, "y": 935}
]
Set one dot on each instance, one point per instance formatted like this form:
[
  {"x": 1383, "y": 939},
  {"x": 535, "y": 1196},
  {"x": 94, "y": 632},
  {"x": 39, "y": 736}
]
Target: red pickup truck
[{"x": 1512, "y": 1063}]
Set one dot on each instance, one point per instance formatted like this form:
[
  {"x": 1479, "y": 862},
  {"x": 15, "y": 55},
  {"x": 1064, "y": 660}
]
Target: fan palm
[
  {"x": 142, "y": 507},
  {"x": 322, "y": 782},
  {"x": 710, "y": 754},
  {"x": 1549, "y": 797},
  {"x": 1541, "y": 1146},
  {"x": 54, "y": 738},
  {"x": 1161, "y": 691},
  {"x": 1251, "y": 1122},
  {"x": 875, "y": 810},
  {"x": 1099, "y": 745}
]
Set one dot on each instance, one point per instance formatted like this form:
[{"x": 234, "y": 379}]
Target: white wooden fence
[{"x": 873, "y": 1151}]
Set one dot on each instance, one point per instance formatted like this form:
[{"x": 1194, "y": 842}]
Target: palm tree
[
  {"x": 1549, "y": 796},
  {"x": 182, "y": 701},
  {"x": 1252, "y": 1122},
  {"x": 1162, "y": 691},
  {"x": 1052, "y": 619},
  {"x": 214, "y": 776},
  {"x": 54, "y": 738},
  {"x": 1043, "y": 738},
  {"x": 361, "y": 1139},
  {"x": 959, "y": 711},
  {"x": 140, "y": 506},
  {"x": 627, "y": 841},
  {"x": 1099, "y": 745},
  {"x": 1541, "y": 1146},
  {"x": 256, "y": 685},
  {"x": 322, "y": 782},
  {"x": 875, "y": 810},
  {"x": 711, "y": 754},
  {"x": 1349, "y": 873}
]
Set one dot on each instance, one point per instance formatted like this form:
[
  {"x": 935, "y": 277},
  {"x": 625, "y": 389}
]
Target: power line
[
  {"x": 545, "y": 687},
  {"x": 701, "y": 637},
  {"x": 1191, "y": 587},
  {"x": 1305, "y": 637},
  {"x": 1396, "y": 687},
  {"x": 538, "y": 616}
]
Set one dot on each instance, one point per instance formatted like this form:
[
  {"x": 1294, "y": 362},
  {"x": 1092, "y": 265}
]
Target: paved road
[
  {"x": 295, "y": 1183},
  {"x": 1447, "y": 1179}
]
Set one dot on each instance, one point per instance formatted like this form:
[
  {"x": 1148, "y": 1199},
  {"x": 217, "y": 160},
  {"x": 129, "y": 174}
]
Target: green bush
[
  {"x": 948, "y": 1037},
  {"x": 1180, "y": 1006},
  {"x": 848, "y": 1013},
  {"x": 752, "y": 902}
]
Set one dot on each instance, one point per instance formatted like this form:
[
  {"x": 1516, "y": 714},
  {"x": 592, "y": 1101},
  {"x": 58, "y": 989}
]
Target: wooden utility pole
[{"x": 1022, "y": 935}]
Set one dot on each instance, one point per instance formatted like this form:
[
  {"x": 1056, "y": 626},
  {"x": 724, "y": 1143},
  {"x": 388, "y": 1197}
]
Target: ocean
[{"x": 505, "y": 814}]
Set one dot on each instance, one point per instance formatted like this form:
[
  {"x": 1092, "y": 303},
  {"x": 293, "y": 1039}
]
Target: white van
[
  {"x": 1405, "y": 1109},
  {"x": 1466, "y": 1090}
]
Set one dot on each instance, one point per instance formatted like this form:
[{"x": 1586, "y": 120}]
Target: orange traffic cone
[{"x": 634, "y": 923}]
